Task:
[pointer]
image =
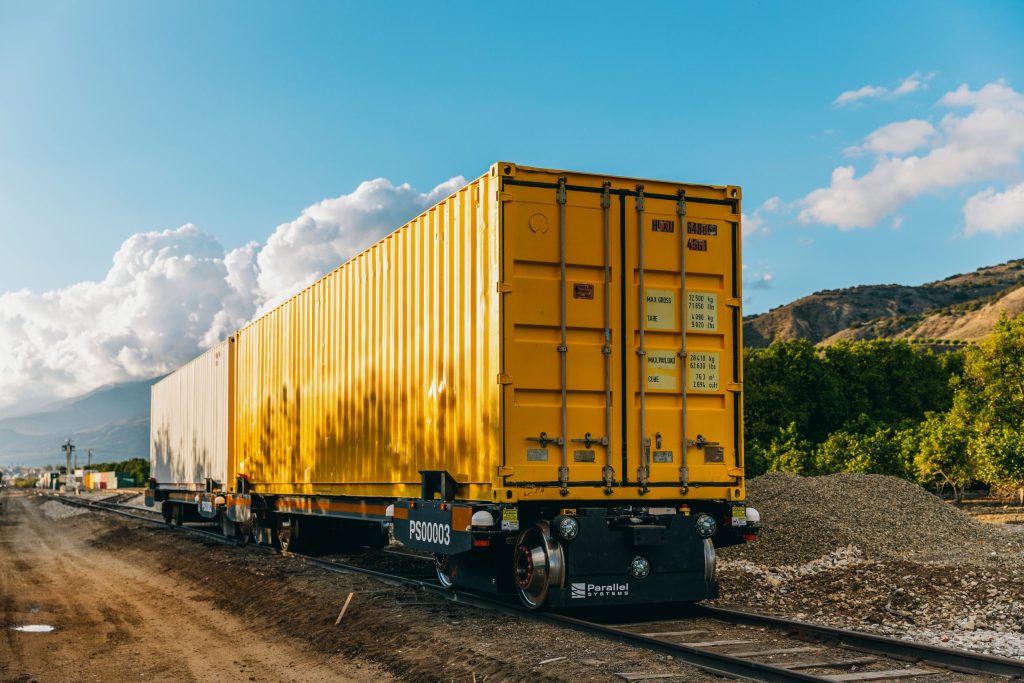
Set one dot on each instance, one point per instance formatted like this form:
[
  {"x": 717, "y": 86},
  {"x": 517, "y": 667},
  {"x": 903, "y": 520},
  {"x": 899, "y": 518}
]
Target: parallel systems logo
[{"x": 592, "y": 590}]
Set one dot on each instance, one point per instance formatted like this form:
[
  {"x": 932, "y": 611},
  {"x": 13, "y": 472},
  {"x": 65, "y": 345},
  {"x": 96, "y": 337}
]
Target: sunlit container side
[
  {"x": 533, "y": 335},
  {"x": 191, "y": 421},
  {"x": 387, "y": 366}
]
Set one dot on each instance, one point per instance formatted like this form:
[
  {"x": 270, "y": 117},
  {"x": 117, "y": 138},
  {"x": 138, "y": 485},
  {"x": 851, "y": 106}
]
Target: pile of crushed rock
[
  {"x": 56, "y": 510},
  {"x": 806, "y": 518},
  {"x": 880, "y": 554}
]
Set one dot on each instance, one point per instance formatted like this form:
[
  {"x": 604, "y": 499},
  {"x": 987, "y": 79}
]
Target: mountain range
[
  {"x": 112, "y": 421},
  {"x": 961, "y": 308}
]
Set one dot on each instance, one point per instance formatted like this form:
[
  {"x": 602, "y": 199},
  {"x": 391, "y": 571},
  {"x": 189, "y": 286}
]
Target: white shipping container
[{"x": 190, "y": 421}]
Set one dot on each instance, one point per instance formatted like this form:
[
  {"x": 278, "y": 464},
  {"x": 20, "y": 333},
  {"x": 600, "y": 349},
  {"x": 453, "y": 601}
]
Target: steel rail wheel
[
  {"x": 710, "y": 560},
  {"x": 537, "y": 564},
  {"x": 442, "y": 563},
  {"x": 263, "y": 531},
  {"x": 229, "y": 528},
  {"x": 287, "y": 532}
]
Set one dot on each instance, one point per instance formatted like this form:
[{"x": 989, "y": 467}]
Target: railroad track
[{"x": 822, "y": 653}]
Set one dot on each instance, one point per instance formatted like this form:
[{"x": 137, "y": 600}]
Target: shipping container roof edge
[
  {"x": 230, "y": 338},
  {"x": 498, "y": 169}
]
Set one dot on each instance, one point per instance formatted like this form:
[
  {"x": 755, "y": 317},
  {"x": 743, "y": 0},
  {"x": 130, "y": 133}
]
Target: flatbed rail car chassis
[{"x": 580, "y": 556}]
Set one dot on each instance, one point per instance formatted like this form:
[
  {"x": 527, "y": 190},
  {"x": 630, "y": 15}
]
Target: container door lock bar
[
  {"x": 644, "y": 469},
  {"x": 607, "y": 472},
  {"x": 684, "y": 468},
  {"x": 563, "y": 349}
]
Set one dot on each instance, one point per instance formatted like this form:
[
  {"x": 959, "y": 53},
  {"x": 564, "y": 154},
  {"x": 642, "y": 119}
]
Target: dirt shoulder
[
  {"x": 133, "y": 601},
  {"x": 116, "y": 619}
]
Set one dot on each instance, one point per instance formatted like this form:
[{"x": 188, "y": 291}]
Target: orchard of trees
[{"x": 947, "y": 420}]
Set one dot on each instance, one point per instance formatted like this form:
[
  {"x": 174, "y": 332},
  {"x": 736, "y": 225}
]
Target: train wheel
[
  {"x": 260, "y": 532},
  {"x": 245, "y": 530},
  {"x": 710, "y": 560},
  {"x": 227, "y": 527},
  {"x": 287, "y": 533},
  {"x": 442, "y": 563},
  {"x": 179, "y": 515},
  {"x": 538, "y": 563},
  {"x": 167, "y": 511}
]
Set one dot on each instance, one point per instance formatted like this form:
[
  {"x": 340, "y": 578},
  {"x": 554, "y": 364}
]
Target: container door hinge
[
  {"x": 506, "y": 471},
  {"x": 504, "y": 288},
  {"x": 504, "y": 196},
  {"x": 504, "y": 379}
]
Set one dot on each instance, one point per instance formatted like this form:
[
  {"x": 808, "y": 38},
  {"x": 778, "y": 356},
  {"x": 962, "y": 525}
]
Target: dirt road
[{"x": 115, "y": 619}]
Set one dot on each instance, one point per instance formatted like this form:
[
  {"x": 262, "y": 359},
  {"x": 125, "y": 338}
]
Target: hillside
[
  {"x": 113, "y": 421},
  {"x": 962, "y": 308}
]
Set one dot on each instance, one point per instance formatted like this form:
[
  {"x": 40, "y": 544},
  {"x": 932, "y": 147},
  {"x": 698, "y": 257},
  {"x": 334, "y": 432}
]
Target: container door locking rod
[
  {"x": 643, "y": 470},
  {"x": 563, "y": 349},
  {"x": 608, "y": 473},
  {"x": 684, "y": 469}
]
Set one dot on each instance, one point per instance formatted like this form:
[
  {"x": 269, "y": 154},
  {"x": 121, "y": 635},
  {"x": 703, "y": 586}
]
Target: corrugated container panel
[
  {"x": 191, "y": 421},
  {"x": 647, "y": 377},
  {"x": 384, "y": 367}
]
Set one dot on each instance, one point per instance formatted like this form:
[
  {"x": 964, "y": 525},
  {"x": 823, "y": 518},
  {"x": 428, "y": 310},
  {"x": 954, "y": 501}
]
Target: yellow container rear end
[{"x": 599, "y": 395}]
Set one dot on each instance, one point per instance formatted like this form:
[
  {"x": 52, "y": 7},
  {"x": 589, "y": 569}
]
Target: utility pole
[
  {"x": 90, "y": 460},
  {"x": 68, "y": 447}
]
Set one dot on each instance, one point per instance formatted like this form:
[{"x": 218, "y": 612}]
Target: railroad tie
[{"x": 880, "y": 675}]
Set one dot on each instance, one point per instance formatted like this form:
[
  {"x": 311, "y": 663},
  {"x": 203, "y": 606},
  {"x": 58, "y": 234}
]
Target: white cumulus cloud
[
  {"x": 911, "y": 83},
  {"x": 330, "y": 232},
  {"x": 169, "y": 294},
  {"x": 986, "y": 143},
  {"x": 995, "y": 212},
  {"x": 897, "y": 138},
  {"x": 756, "y": 223}
]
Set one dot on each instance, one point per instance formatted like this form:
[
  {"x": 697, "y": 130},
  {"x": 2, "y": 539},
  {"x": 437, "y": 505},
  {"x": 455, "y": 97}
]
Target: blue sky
[{"x": 124, "y": 117}]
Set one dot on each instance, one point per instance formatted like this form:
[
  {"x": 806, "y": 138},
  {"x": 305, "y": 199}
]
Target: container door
[
  {"x": 667, "y": 400},
  {"x": 562, "y": 428}
]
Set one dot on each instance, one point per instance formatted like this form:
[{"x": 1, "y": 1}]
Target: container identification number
[{"x": 430, "y": 532}]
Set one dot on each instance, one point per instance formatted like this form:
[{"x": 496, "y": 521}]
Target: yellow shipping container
[{"x": 526, "y": 335}]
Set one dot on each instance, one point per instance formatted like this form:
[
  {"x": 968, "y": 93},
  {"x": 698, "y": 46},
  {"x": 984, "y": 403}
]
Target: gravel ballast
[
  {"x": 879, "y": 554},
  {"x": 806, "y": 518}
]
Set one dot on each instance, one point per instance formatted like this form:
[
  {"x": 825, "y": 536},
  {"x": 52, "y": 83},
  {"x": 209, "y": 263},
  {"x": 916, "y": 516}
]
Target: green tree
[
  {"x": 990, "y": 397},
  {"x": 790, "y": 452},
  {"x": 999, "y": 454},
  {"x": 993, "y": 380},
  {"x": 787, "y": 384},
  {"x": 943, "y": 456},
  {"x": 890, "y": 381},
  {"x": 873, "y": 452}
]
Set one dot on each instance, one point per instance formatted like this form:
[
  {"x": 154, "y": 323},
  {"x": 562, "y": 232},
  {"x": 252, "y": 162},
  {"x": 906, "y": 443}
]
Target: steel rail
[
  {"x": 712, "y": 662},
  {"x": 947, "y": 658}
]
